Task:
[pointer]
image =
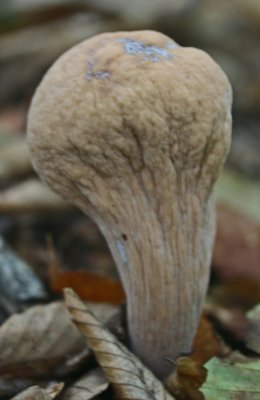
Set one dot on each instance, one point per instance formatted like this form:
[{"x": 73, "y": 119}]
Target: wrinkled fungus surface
[{"x": 134, "y": 130}]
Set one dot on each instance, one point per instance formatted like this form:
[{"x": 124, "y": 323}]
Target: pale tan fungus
[{"x": 134, "y": 129}]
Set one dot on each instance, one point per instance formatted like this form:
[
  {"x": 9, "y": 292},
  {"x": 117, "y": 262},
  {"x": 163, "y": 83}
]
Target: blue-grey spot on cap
[
  {"x": 103, "y": 74},
  {"x": 97, "y": 75},
  {"x": 150, "y": 52}
]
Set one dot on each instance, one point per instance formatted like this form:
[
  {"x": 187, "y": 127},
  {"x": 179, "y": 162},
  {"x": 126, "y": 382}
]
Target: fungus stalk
[{"x": 134, "y": 129}]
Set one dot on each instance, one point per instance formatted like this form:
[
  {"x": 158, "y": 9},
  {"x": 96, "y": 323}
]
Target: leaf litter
[
  {"x": 232, "y": 380},
  {"x": 226, "y": 301},
  {"x": 231, "y": 318},
  {"x": 129, "y": 378}
]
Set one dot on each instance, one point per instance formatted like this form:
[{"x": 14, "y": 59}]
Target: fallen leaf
[
  {"x": 240, "y": 293},
  {"x": 226, "y": 305},
  {"x": 237, "y": 245},
  {"x": 54, "y": 389},
  {"x": 37, "y": 393},
  {"x": 90, "y": 286},
  {"x": 37, "y": 342},
  {"x": 187, "y": 378},
  {"x": 232, "y": 380},
  {"x": 33, "y": 393},
  {"x": 231, "y": 322},
  {"x": 129, "y": 378},
  {"x": 207, "y": 343},
  {"x": 31, "y": 196},
  {"x": 43, "y": 342},
  {"x": 18, "y": 282},
  {"x": 87, "y": 387},
  {"x": 253, "y": 331}
]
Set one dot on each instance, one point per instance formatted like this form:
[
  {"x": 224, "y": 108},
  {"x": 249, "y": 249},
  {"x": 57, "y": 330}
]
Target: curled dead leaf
[
  {"x": 129, "y": 378},
  {"x": 184, "y": 383},
  {"x": 207, "y": 343}
]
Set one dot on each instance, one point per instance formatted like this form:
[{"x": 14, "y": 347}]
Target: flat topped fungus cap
[{"x": 134, "y": 129}]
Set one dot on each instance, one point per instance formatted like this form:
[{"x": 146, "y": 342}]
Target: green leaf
[{"x": 232, "y": 380}]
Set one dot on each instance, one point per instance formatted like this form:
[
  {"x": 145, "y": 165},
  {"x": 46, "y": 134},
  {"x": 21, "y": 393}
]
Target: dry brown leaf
[
  {"x": 87, "y": 387},
  {"x": 189, "y": 374},
  {"x": 127, "y": 375},
  {"x": 43, "y": 341},
  {"x": 243, "y": 293},
  {"x": 37, "y": 393},
  {"x": 237, "y": 245},
  {"x": 33, "y": 393},
  {"x": 38, "y": 342},
  {"x": 31, "y": 196},
  {"x": 206, "y": 343},
  {"x": 185, "y": 381},
  {"x": 90, "y": 286},
  {"x": 87, "y": 284},
  {"x": 231, "y": 321},
  {"x": 227, "y": 303},
  {"x": 54, "y": 389}
]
